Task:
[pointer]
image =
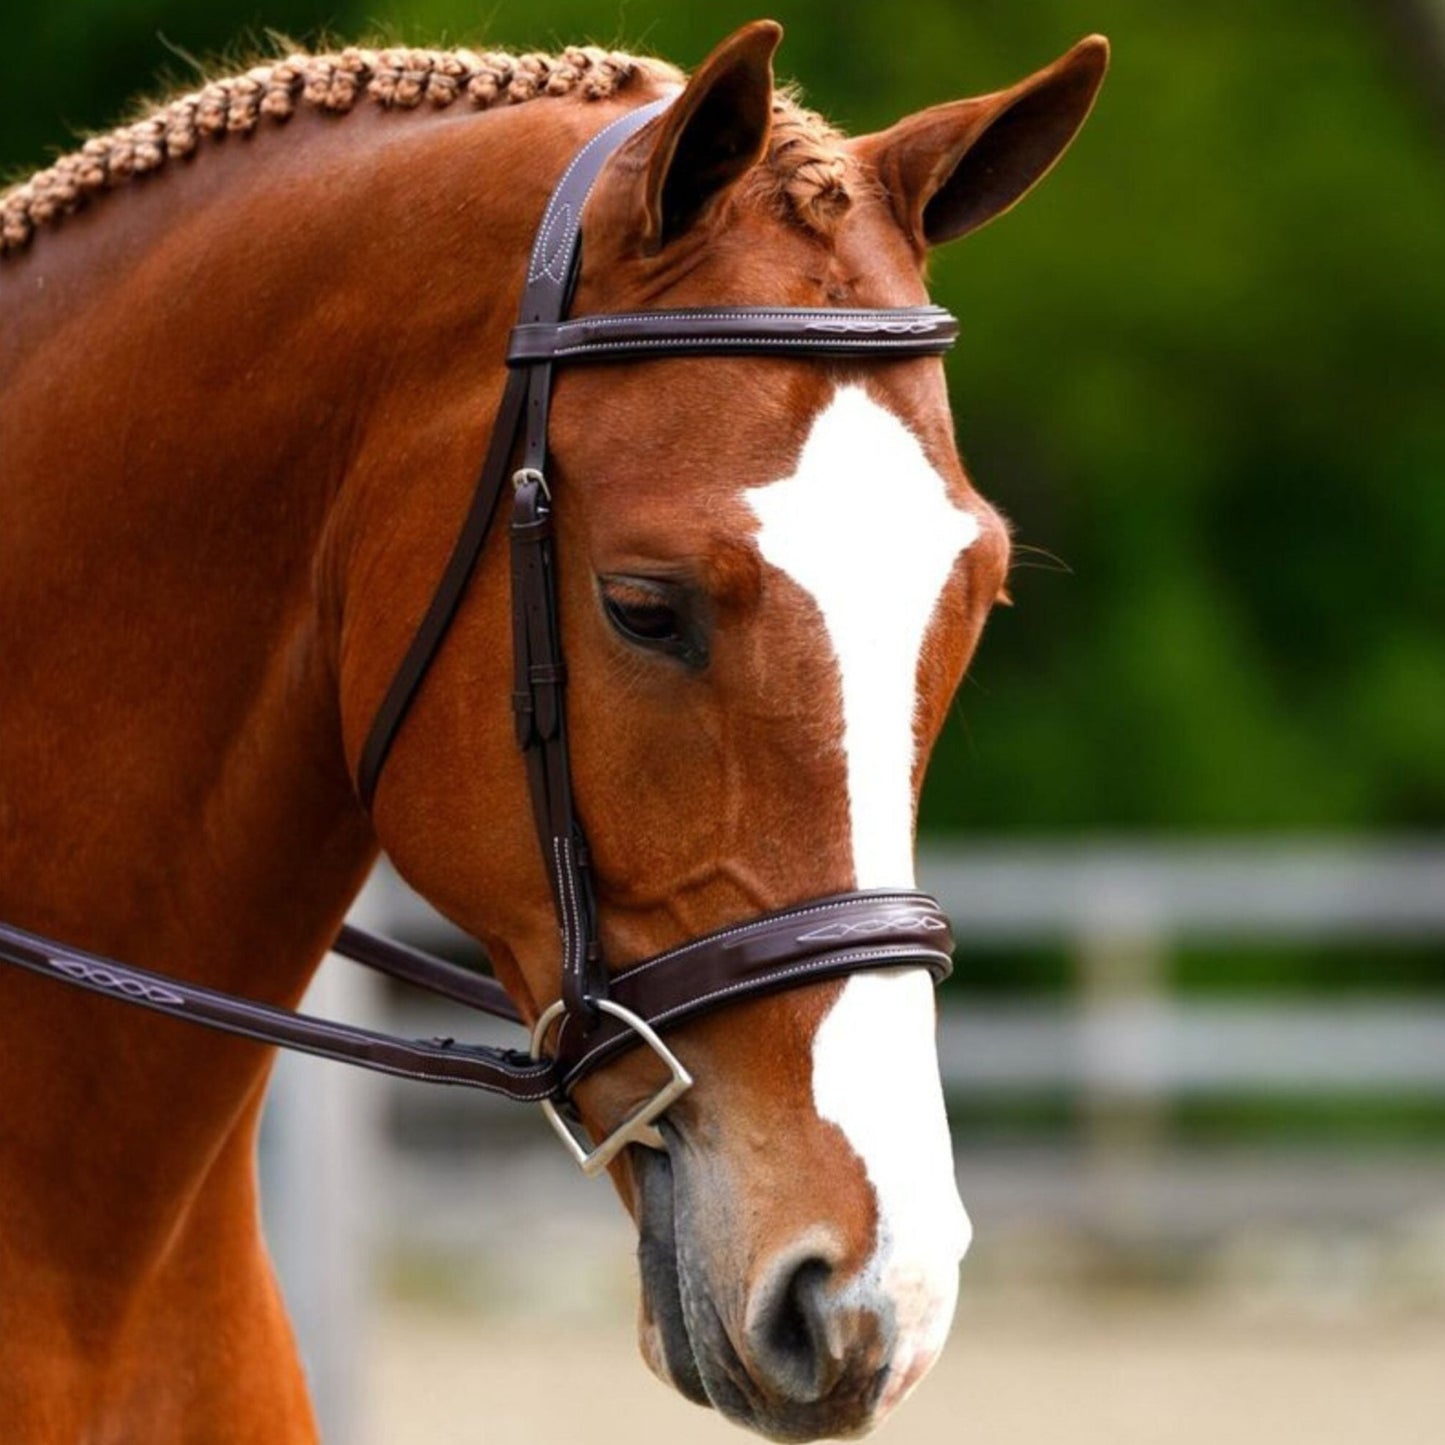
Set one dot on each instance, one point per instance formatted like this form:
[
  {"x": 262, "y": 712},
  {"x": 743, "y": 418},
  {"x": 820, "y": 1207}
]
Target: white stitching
[
  {"x": 571, "y": 915},
  {"x": 558, "y": 215},
  {"x": 759, "y": 313},
  {"x": 749, "y": 343},
  {"x": 923, "y": 920},
  {"x": 578, "y": 941},
  {"x": 539, "y": 267}
]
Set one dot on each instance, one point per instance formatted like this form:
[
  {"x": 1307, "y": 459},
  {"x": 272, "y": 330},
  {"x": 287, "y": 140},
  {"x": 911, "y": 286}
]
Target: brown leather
[
  {"x": 539, "y": 702},
  {"x": 794, "y": 946},
  {"x": 729, "y": 330},
  {"x": 425, "y": 971},
  {"x": 437, "y": 1061}
]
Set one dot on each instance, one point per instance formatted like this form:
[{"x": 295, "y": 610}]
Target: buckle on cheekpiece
[{"x": 637, "y": 1128}]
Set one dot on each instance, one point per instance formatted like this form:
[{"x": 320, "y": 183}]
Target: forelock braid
[{"x": 806, "y": 156}]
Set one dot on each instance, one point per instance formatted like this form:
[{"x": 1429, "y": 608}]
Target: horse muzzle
[{"x": 794, "y": 1349}]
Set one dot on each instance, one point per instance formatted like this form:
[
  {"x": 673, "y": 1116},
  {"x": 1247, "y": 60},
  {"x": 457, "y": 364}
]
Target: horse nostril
[
  {"x": 798, "y": 1327},
  {"x": 792, "y": 1336}
]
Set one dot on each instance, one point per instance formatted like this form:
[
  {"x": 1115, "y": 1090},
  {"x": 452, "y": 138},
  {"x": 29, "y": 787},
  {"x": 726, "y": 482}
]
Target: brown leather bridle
[{"x": 598, "y": 1014}]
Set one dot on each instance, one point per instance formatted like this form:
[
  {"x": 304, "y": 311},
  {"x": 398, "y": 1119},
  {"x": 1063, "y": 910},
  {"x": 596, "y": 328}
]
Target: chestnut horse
[{"x": 244, "y": 387}]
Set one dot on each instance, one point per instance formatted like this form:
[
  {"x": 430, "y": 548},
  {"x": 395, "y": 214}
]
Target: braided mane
[{"x": 806, "y": 170}]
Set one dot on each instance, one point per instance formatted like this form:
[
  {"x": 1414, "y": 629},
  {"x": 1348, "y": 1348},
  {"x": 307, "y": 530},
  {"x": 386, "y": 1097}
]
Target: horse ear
[
  {"x": 953, "y": 168},
  {"x": 711, "y": 135}
]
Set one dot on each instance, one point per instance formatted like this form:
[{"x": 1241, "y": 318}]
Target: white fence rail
[
  {"x": 1300, "y": 889},
  {"x": 1147, "y": 1049}
]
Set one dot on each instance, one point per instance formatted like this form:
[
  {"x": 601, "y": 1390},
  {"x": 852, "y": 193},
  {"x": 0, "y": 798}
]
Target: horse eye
[
  {"x": 654, "y": 615},
  {"x": 642, "y": 621}
]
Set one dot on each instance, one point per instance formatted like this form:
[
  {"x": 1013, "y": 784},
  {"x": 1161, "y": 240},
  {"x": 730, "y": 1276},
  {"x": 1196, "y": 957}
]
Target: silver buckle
[
  {"x": 523, "y": 475},
  {"x": 637, "y": 1128}
]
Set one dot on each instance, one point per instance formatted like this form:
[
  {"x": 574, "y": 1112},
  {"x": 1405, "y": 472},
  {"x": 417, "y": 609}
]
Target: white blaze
[{"x": 865, "y": 525}]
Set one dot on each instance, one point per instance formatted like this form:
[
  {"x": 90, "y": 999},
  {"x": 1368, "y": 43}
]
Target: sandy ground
[{"x": 1155, "y": 1375}]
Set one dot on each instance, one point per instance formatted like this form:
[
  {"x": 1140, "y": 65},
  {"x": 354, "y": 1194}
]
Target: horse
[{"x": 250, "y": 349}]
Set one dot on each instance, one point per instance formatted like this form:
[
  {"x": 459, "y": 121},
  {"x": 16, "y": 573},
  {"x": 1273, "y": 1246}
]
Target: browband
[{"x": 737, "y": 330}]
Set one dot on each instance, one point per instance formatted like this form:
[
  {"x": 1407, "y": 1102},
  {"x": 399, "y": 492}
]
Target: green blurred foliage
[
  {"x": 73, "y": 66},
  {"x": 1204, "y": 368}
]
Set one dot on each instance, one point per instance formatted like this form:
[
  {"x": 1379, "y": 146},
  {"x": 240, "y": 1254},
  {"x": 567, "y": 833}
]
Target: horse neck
[{"x": 201, "y": 417}]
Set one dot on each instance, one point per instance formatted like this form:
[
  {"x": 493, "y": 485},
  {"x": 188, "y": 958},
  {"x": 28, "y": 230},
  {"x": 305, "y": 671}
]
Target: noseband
[{"x": 599, "y": 1014}]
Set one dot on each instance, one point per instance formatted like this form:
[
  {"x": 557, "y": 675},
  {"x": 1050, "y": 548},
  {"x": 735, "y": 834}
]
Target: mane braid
[{"x": 807, "y": 169}]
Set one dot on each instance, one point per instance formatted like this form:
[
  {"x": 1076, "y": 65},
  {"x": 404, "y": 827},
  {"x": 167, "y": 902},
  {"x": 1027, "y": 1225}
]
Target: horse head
[{"x": 773, "y": 573}]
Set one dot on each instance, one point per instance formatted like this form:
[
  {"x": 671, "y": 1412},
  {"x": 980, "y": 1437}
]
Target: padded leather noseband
[{"x": 815, "y": 940}]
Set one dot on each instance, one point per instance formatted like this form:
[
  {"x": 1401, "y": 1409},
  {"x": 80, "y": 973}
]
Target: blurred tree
[
  {"x": 1203, "y": 366},
  {"x": 72, "y": 66}
]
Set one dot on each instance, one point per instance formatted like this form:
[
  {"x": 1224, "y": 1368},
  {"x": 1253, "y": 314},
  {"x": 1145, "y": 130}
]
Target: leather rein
[{"x": 599, "y": 1014}]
